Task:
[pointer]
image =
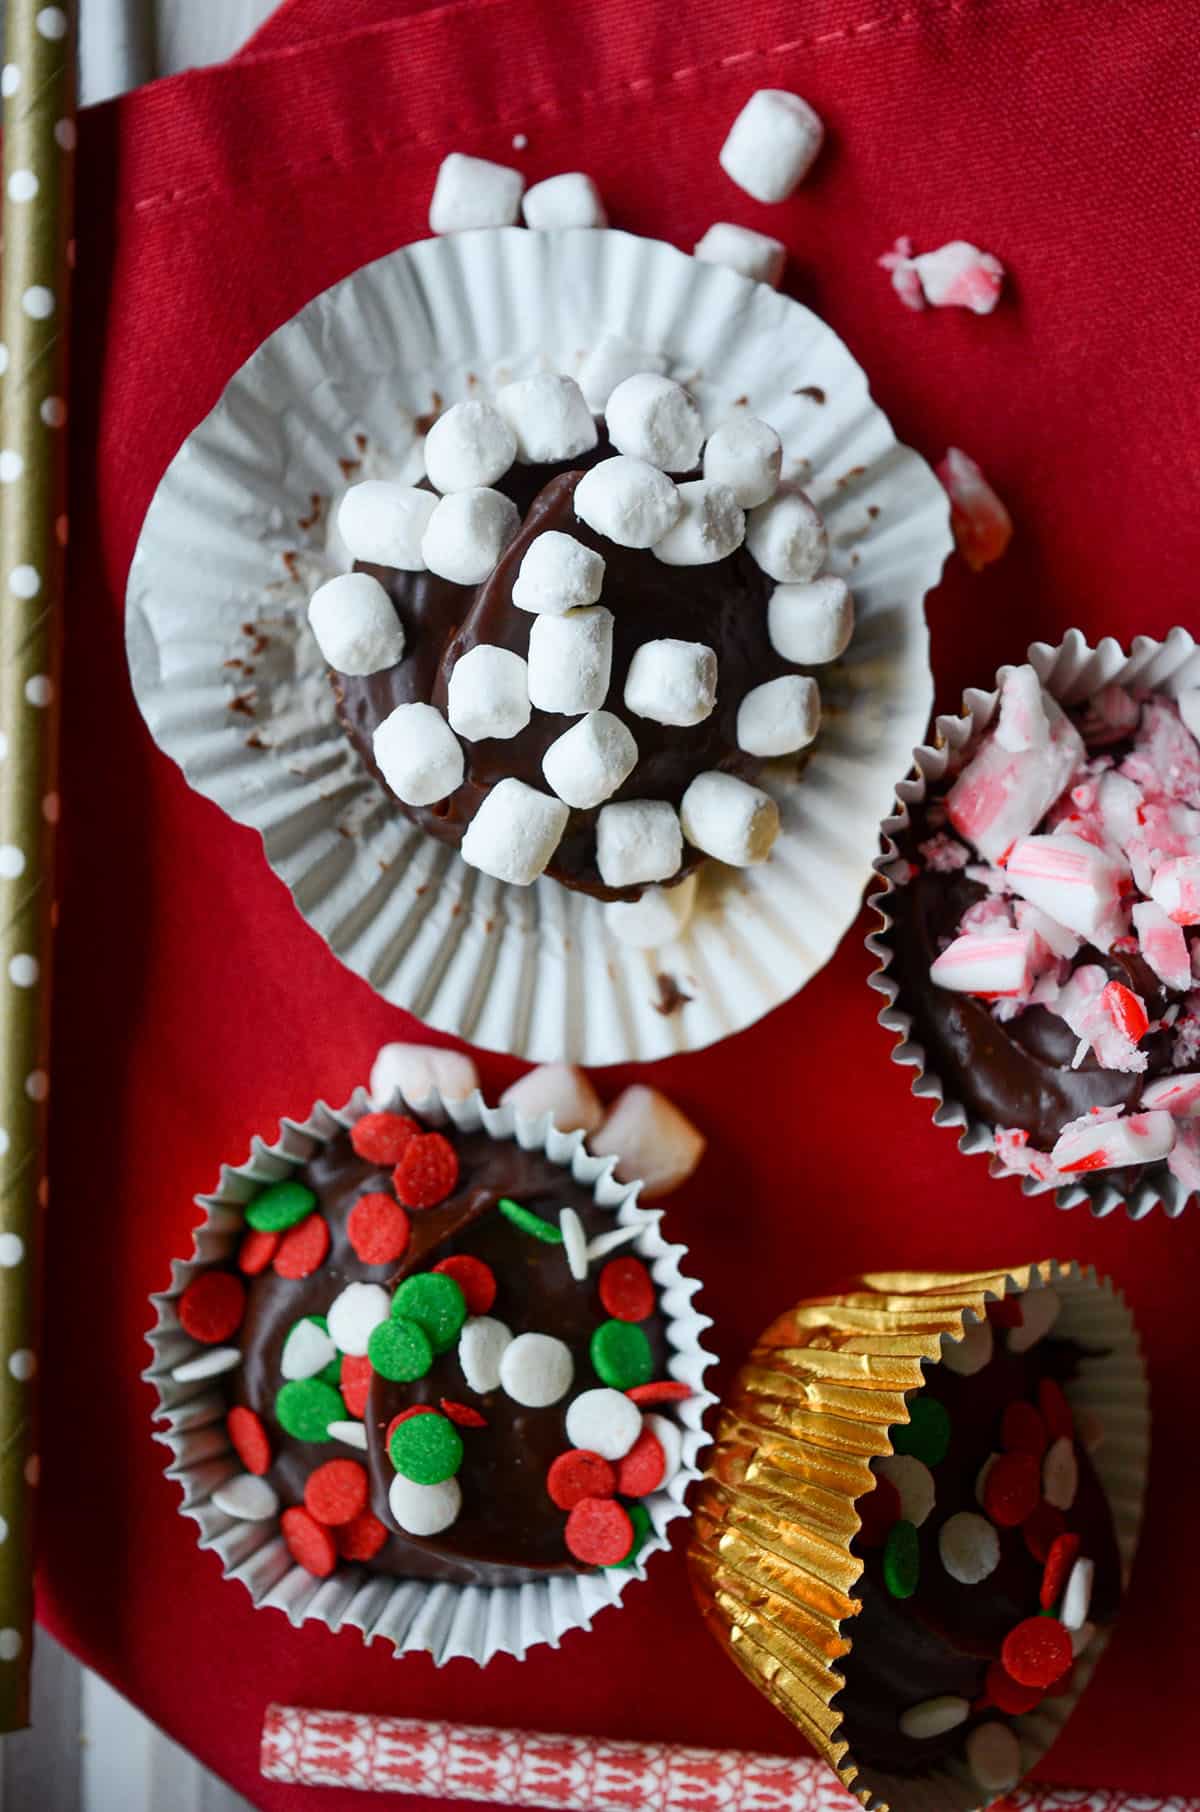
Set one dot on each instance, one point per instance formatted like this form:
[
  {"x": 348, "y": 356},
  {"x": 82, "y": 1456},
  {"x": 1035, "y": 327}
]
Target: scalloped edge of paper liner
[
  {"x": 1071, "y": 670},
  {"x": 446, "y": 1621}
]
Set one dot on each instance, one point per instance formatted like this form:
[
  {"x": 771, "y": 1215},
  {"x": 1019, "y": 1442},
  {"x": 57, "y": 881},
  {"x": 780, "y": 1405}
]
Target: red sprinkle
[
  {"x": 256, "y": 1251},
  {"x": 381, "y": 1138},
  {"x": 1036, "y": 1652},
  {"x": 476, "y": 1280},
  {"x": 212, "y": 1306},
  {"x": 878, "y": 1510},
  {"x": 406, "y": 1415},
  {"x": 579, "y": 1474},
  {"x": 463, "y": 1414},
  {"x": 1042, "y": 1530},
  {"x": 1125, "y": 1010},
  {"x": 1012, "y": 1489},
  {"x": 303, "y": 1248},
  {"x": 667, "y": 1390},
  {"x": 643, "y": 1468},
  {"x": 427, "y": 1171},
  {"x": 1059, "y": 1561},
  {"x": 249, "y": 1440},
  {"x": 599, "y": 1532},
  {"x": 1056, "y": 1411},
  {"x": 1023, "y": 1431},
  {"x": 309, "y": 1545},
  {"x": 336, "y": 1492},
  {"x": 361, "y": 1538},
  {"x": 377, "y": 1228},
  {"x": 355, "y": 1382},
  {"x": 1006, "y": 1695},
  {"x": 1007, "y": 1313},
  {"x": 626, "y": 1290}
]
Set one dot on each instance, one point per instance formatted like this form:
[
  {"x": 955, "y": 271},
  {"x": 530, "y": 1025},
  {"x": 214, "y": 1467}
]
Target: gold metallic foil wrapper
[{"x": 770, "y": 1557}]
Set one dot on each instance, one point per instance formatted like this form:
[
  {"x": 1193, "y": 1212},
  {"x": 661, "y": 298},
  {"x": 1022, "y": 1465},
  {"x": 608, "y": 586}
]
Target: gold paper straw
[{"x": 39, "y": 138}]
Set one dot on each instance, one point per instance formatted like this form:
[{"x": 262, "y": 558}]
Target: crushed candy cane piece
[
  {"x": 1176, "y": 888},
  {"x": 1183, "y": 1159},
  {"x": 1018, "y": 1158},
  {"x": 905, "y": 279},
  {"x": 1022, "y": 722},
  {"x": 1078, "y": 885},
  {"x": 1003, "y": 794},
  {"x": 1059, "y": 941},
  {"x": 1110, "y": 715},
  {"x": 982, "y": 525},
  {"x": 955, "y": 275},
  {"x": 1162, "y": 944},
  {"x": 1132, "y": 1139},
  {"x": 944, "y": 853},
  {"x": 1000, "y": 964},
  {"x": 1178, "y": 1095},
  {"x": 1165, "y": 758}
]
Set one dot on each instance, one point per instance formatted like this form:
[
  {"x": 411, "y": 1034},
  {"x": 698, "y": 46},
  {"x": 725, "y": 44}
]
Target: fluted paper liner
[
  {"x": 232, "y": 684},
  {"x": 448, "y": 1621},
  {"x": 770, "y": 1558},
  {"x": 1071, "y": 672}
]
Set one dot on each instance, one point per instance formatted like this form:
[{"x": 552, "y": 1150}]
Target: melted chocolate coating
[{"x": 509, "y": 1530}]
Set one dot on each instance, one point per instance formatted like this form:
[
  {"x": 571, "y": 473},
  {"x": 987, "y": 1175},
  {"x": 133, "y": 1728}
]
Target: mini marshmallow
[
  {"x": 211, "y": 1364},
  {"x": 609, "y": 363},
  {"x": 627, "y": 500},
  {"x": 979, "y": 963},
  {"x": 418, "y": 754},
  {"x": 515, "y": 832},
  {"x": 772, "y": 144},
  {"x": 574, "y": 1241},
  {"x": 914, "y": 1484},
  {"x": 651, "y": 1141},
  {"x": 1040, "y": 1310},
  {"x": 354, "y": 1315},
  {"x": 741, "y": 249},
  {"x": 637, "y": 841},
  {"x": 1078, "y": 885},
  {"x": 1077, "y": 1598},
  {"x": 780, "y": 716},
  {"x": 481, "y": 1349},
  {"x": 248, "y": 1498},
  {"x": 569, "y": 200},
  {"x": 669, "y": 1436},
  {"x": 711, "y": 526},
  {"x": 729, "y": 819},
  {"x": 1003, "y": 794},
  {"x": 467, "y": 533},
  {"x": 350, "y": 1433},
  {"x": 653, "y": 418},
  {"x": 536, "y": 1370},
  {"x": 994, "y": 1757},
  {"x": 605, "y": 1422},
  {"x": 488, "y": 693},
  {"x": 307, "y": 1350},
  {"x": 970, "y": 1354},
  {"x": 1133, "y": 1139},
  {"x": 384, "y": 523},
  {"x": 672, "y": 682},
  {"x": 570, "y": 661},
  {"x": 787, "y": 538},
  {"x": 1176, "y": 888},
  {"x": 469, "y": 446},
  {"x": 560, "y": 1090},
  {"x": 1060, "y": 1473},
  {"x": 657, "y": 918},
  {"x": 747, "y": 455},
  {"x": 969, "y": 1547},
  {"x": 473, "y": 192},
  {"x": 414, "y": 1070},
  {"x": 424, "y": 1509},
  {"x": 811, "y": 624},
  {"x": 355, "y": 624},
  {"x": 934, "y": 1717},
  {"x": 549, "y": 417},
  {"x": 557, "y": 574},
  {"x": 588, "y": 762}
]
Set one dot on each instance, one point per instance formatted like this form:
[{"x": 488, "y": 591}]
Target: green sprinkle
[
  {"x": 901, "y": 1560},
  {"x": 436, "y": 1303},
  {"x": 280, "y": 1206},
  {"x": 926, "y": 1434},
  {"x": 400, "y": 1350},
  {"x": 528, "y": 1222},
  {"x": 305, "y": 1407},
  {"x": 621, "y": 1355},
  {"x": 426, "y": 1449},
  {"x": 639, "y": 1516}
]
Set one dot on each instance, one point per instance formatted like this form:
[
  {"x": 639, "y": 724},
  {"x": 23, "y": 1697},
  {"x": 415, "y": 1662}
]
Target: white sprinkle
[
  {"x": 37, "y": 1085},
  {"x": 3, "y": 1529},
  {"x": 65, "y": 134},
  {"x": 11, "y": 466},
  {"x": 24, "y": 582},
  {"x": 39, "y": 690},
  {"x": 12, "y": 1250},
  {"x": 52, "y": 23},
  {"x": 574, "y": 1243},
  {"x": 933, "y": 1717},
  {"x": 53, "y": 411},
  {"x": 10, "y": 1644},
  {"x": 22, "y": 971},
  {"x": 1040, "y": 1310},
  {"x": 605, "y": 1422},
  {"x": 424, "y": 1509},
  {"x": 12, "y": 861},
  {"x": 211, "y": 1364},
  {"x": 914, "y": 1482},
  {"x": 536, "y": 1370},
  {"x": 994, "y": 1757},
  {"x": 248, "y": 1498},
  {"x": 351, "y": 1434},
  {"x": 1077, "y": 1599},
  {"x": 307, "y": 1350},
  {"x": 604, "y": 1243},
  {"x": 982, "y": 1477},
  {"x": 969, "y": 1355},
  {"x": 520, "y": 142},
  {"x": 1060, "y": 1474},
  {"x": 355, "y": 1314},
  {"x": 10, "y": 81},
  {"x": 969, "y": 1547},
  {"x": 38, "y": 302},
  {"x": 481, "y": 1348},
  {"x": 22, "y": 185},
  {"x": 669, "y": 1436}
]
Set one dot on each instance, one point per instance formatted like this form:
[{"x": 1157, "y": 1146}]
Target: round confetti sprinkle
[
  {"x": 621, "y": 1355},
  {"x": 427, "y": 1171},
  {"x": 361, "y": 1538},
  {"x": 26, "y": 582},
  {"x": 1042, "y": 1529},
  {"x": 901, "y": 1560},
  {"x": 12, "y": 1250},
  {"x": 1023, "y": 1430},
  {"x": 249, "y": 1499},
  {"x": 22, "y": 185},
  {"x": 280, "y": 1206},
  {"x": 256, "y": 1251},
  {"x": 249, "y": 1440},
  {"x": 1056, "y": 1411},
  {"x": 1037, "y": 1651},
  {"x": 10, "y": 81},
  {"x": 1059, "y": 1561},
  {"x": 336, "y": 1492},
  {"x": 38, "y": 302},
  {"x": 1012, "y": 1489},
  {"x": 11, "y": 465},
  {"x": 643, "y": 1468},
  {"x": 926, "y": 1434},
  {"x": 577, "y": 1474},
  {"x": 877, "y": 1511},
  {"x": 10, "y": 1644},
  {"x": 528, "y": 1222},
  {"x": 599, "y": 1532},
  {"x": 476, "y": 1280},
  {"x": 426, "y": 1449},
  {"x": 436, "y": 1303},
  {"x": 406, "y": 1415},
  {"x": 309, "y": 1545},
  {"x": 378, "y": 1229},
  {"x": 969, "y": 1548},
  {"x": 51, "y": 22},
  {"x": 354, "y": 1383},
  {"x": 398, "y": 1349},
  {"x": 914, "y": 1481},
  {"x": 462, "y": 1414},
  {"x": 22, "y": 971},
  {"x": 639, "y": 1518},
  {"x": 212, "y": 1306},
  {"x": 12, "y": 861},
  {"x": 304, "y": 1408},
  {"x": 626, "y": 1290},
  {"x": 382, "y": 1138},
  {"x": 664, "y": 1390},
  {"x": 303, "y": 1248}
]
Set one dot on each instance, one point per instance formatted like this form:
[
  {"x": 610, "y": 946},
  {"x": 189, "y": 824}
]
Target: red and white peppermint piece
[
  {"x": 969, "y": 1547},
  {"x": 959, "y": 275},
  {"x": 914, "y": 1485},
  {"x": 969, "y": 1355},
  {"x": 994, "y": 1757},
  {"x": 1183, "y": 1159},
  {"x": 1162, "y": 944},
  {"x": 1176, "y": 888},
  {"x": 1022, "y": 722},
  {"x": 1178, "y": 1095},
  {"x": 1040, "y": 1310},
  {"x": 905, "y": 281},
  {"x": 979, "y": 964},
  {"x": 982, "y": 525},
  {"x": 934, "y": 1717},
  {"x": 1132, "y": 1139},
  {"x": 1077, "y": 884},
  {"x": 1003, "y": 794},
  {"x": 1060, "y": 1474}
]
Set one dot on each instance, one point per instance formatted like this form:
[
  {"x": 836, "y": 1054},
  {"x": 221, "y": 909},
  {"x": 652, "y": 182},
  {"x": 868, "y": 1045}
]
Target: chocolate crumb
[
  {"x": 244, "y": 703},
  {"x": 872, "y": 510},
  {"x": 315, "y": 506},
  {"x": 424, "y": 423},
  {"x": 349, "y": 467},
  {"x": 851, "y": 475},
  {"x": 813, "y": 392},
  {"x": 291, "y": 565},
  {"x": 344, "y": 831},
  {"x": 670, "y": 995},
  {"x": 360, "y": 441},
  {"x": 255, "y": 741},
  {"x": 741, "y": 402}
]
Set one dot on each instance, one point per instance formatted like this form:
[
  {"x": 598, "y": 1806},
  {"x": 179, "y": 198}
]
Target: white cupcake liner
[
  {"x": 1072, "y": 671},
  {"x": 236, "y": 539},
  {"x": 447, "y": 1621}
]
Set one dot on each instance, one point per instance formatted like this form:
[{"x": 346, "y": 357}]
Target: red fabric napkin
[{"x": 194, "y": 1006}]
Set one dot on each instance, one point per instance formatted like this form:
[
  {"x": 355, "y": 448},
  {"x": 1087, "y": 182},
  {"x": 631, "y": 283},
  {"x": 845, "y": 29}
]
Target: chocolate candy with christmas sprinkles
[
  {"x": 436, "y": 1303},
  {"x": 626, "y": 1290},
  {"x": 378, "y": 1228},
  {"x": 528, "y": 1222},
  {"x": 280, "y": 1206},
  {"x": 400, "y": 1350},
  {"x": 621, "y": 1355},
  {"x": 426, "y": 1449},
  {"x": 212, "y": 1306},
  {"x": 577, "y": 1474},
  {"x": 305, "y": 1407}
]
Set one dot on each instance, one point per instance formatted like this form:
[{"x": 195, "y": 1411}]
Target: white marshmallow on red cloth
[
  {"x": 653, "y": 418},
  {"x": 1077, "y": 1598},
  {"x": 418, "y": 754},
  {"x": 1178, "y": 1095},
  {"x": 557, "y": 574},
  {"x": 811, "y": 624},
  {"x": 982, "y": 525},
  {"x": 651, "y": 1140},
  {"x": 729, "y": 819},
  {"x": 786, "y": 537},
  {"x": 209, "y": 1364},
  {"x": 970, "y": 1354},
  {"x": 994, "y": 1757},
  {"x": 711, "y": 526},
  {"x": 248, "y": 1498},
  {"x": 1060, "y": 1473},
  {"x": 385, "y": 522},
  {"x": 780, "y": 716},
  {"x": 934, "y": 1717},
  {"x": 414, "y": 1071},
  {"x": 747, "y": 455},
  {"x": 1162, "y": 944},
  {"x": 741, "y": 249},
  {"x": 978, "y": 963},
  {"x": 307, "y": 1350},
  {"x": 772, "y": 145},
  {"x": 473, "y": 192},
  {"x": 657, "y": 918},
  {"x": 1105, "y": 1145},
  {"x": 482, "y": 1345},
  {"x": 955, "y": 275},
  {"x": 469, "y": 446},
  {"x": 424, "y": 1509},
  {"x": 969, "y": 1547},
  {"x": 354, "y": 1315},
  {"x": 1078, "y": 885},
  {"x": 913, "y": 1482},
  {"x": 609, "y": 362},
  {"x": 628, "y": 500},
  {"x": 672, "y": 682},
  {"x": 488, "y": 693},
  {"x": 587, "y": 763},
  {"x": 560, "y": 1090},
  {"x": 536, "y": 1370},
  {"x": 1040, "y": 1310},
  {"x": 603, "y": 1421},
  {"x": 570, "y": 661},
  {"x": 549, "y": 416},
  {"x": 1002, "y": 794},
  {"x": 1176, "y": 888},
  {"x": 638, "y": 840},
  {"x": 467, "y": 533},
  {"x": 355, "y": 624},
  {"x": 669, "y": 1436},
  {"x": 515, "y": 832},
  {"x": 569, "y": 200},
  {"x": 574, "y": 1243}
]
